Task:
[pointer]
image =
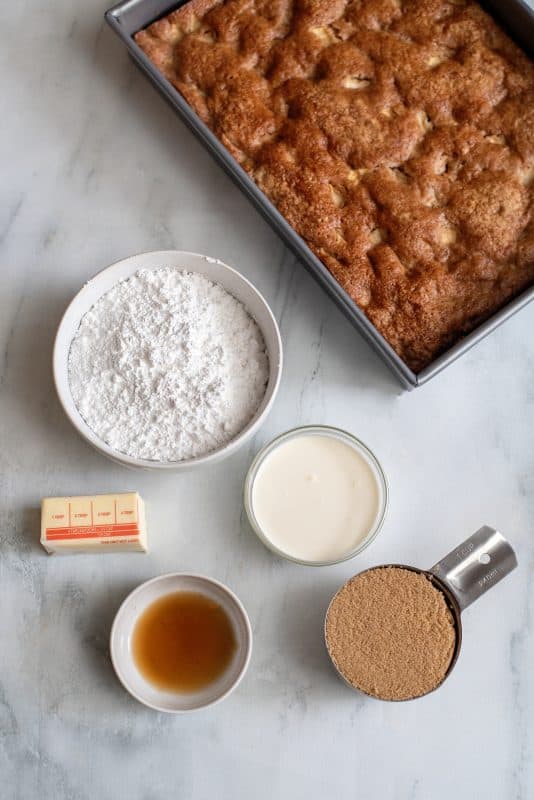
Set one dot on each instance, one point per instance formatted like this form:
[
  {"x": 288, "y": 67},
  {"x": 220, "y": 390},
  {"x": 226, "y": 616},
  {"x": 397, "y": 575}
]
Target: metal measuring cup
[{"x": 466, "y": 573}]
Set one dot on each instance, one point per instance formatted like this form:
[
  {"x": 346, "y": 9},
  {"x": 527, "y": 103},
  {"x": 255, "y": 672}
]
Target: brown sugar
[
  {"x": 390, "y": 633},
  {"x": 396, "y": 138}
]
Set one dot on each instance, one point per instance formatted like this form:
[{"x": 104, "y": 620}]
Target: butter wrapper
[{"x": 94, "y": 523}]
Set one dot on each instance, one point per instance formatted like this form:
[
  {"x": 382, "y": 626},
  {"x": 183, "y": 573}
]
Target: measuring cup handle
[{"x": 476, "y": 565}]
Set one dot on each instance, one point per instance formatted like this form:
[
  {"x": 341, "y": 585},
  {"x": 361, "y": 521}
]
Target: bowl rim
[
  {"x": 197, "y": 577},
  {"x": 61, "y": 376},
  {"x": 325, "y": 430}
]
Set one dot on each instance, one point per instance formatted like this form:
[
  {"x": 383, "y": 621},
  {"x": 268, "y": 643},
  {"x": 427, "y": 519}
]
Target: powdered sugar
[{"x": 167, "y": 366}]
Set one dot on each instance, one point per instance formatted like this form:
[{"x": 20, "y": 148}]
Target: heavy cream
[{"x": 316, "y": 497}]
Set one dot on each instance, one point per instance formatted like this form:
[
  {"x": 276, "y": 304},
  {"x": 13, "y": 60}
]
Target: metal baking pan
[{"x": 130, "y": 16}]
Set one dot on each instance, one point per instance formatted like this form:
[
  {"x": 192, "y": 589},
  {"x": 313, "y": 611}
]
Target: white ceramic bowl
[
  {"x": 121, "y": 643},
  {"x": 215, "y": 271}
]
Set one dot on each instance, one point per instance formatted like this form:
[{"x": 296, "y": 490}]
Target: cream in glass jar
[{"x": 316, "y": 495}]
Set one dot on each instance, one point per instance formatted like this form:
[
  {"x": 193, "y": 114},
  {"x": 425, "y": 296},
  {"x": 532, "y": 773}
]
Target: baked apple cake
[{"x": 395, "y": 136}]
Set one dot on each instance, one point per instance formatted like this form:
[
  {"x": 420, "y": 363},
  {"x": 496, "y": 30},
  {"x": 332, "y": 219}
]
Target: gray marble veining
[{"x": 96, "y": 167}]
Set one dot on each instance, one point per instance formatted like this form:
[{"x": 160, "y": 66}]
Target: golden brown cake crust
[{"x": 395, "y": 136}]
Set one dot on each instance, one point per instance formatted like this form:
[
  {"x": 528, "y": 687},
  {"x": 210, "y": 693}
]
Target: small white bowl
[
  {"x": 121, "y": 643},
  {"x": 215, "y": 271}
]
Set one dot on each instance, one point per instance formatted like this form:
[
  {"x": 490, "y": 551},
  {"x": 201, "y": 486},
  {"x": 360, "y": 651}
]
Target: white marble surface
[{"x": 96, "y": 167}]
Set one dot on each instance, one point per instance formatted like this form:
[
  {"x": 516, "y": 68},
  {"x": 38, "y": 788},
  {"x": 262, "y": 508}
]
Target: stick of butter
[{"x": 102, "y": 522}]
